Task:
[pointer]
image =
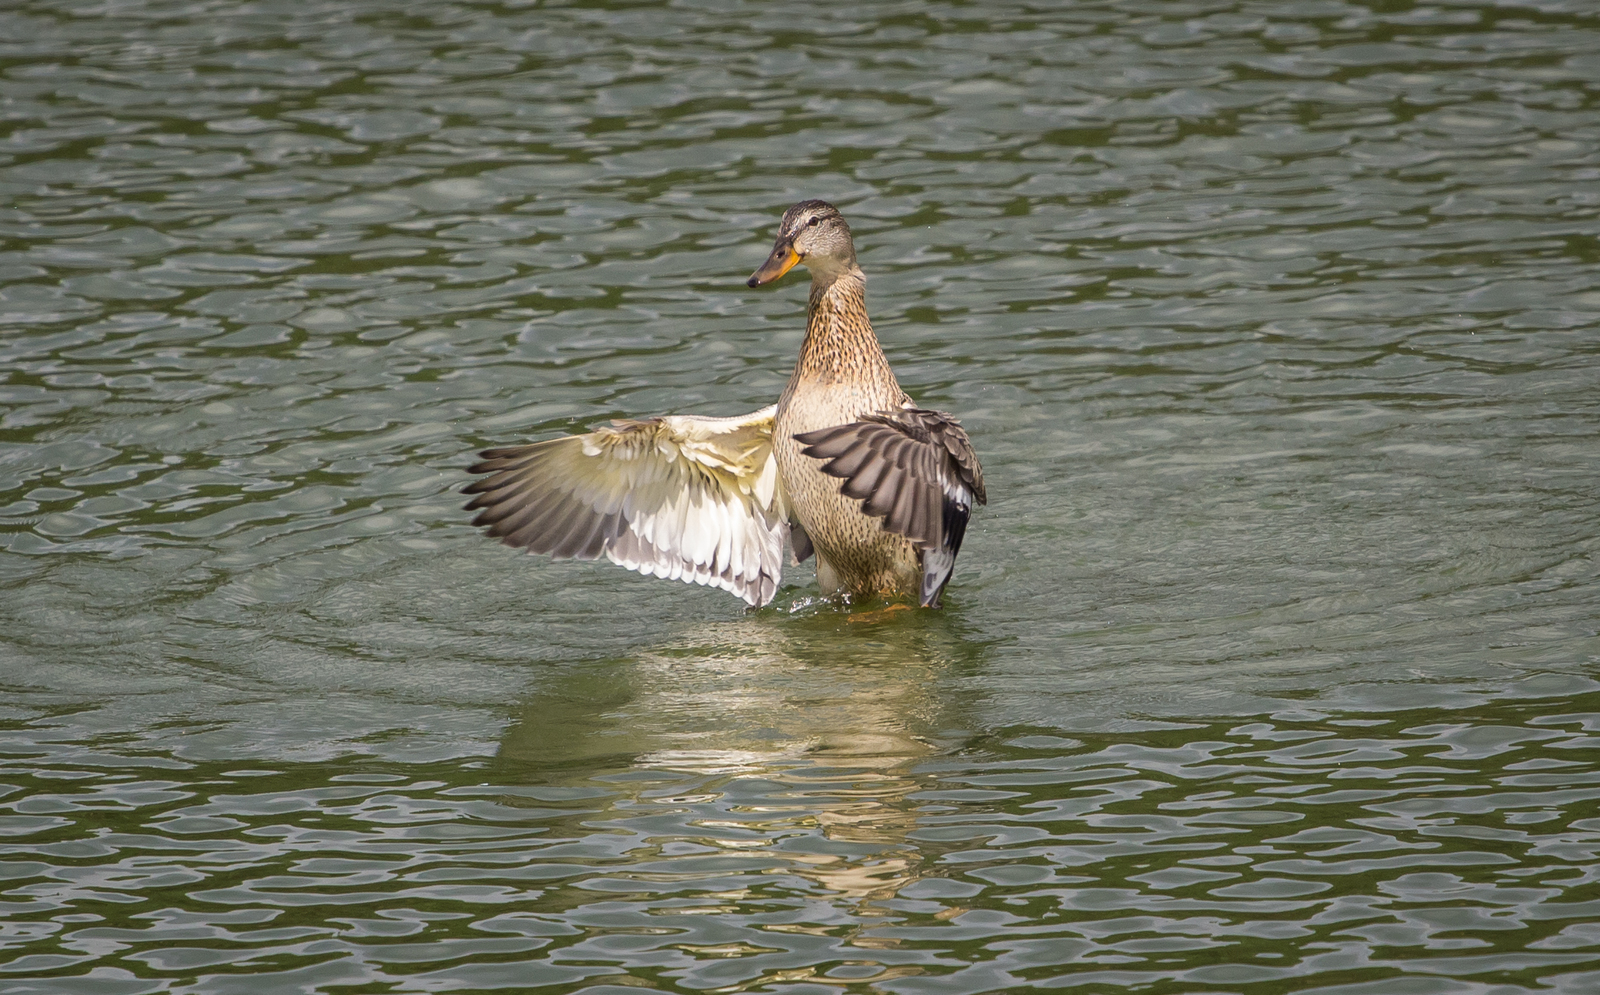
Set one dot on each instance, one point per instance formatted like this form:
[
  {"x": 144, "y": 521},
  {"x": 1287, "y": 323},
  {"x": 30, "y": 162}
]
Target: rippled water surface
[{"x": 1271, "y": 665}]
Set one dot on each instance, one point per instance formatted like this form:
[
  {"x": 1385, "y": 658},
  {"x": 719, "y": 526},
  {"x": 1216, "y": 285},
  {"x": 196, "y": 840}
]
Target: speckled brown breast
[{"x": 841, "y": 374}]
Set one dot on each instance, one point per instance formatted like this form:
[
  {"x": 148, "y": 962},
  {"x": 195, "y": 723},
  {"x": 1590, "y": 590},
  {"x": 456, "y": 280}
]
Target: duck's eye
[{"x": 814, "y": 222}]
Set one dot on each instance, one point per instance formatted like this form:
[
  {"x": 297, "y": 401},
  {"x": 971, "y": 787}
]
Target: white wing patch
[{"x": 681, "y": 497}]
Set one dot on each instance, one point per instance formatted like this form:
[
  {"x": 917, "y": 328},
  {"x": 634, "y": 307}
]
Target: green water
[{"x": 1270, "y": 667}]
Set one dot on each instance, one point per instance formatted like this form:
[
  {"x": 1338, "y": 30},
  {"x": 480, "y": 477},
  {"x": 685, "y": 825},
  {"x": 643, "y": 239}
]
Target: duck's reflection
[{"x": 766, "y": 733}]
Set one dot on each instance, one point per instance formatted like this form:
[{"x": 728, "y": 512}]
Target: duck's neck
[{"x": 839, "y": 346}]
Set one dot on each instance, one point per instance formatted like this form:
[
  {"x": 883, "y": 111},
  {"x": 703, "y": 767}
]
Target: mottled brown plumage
[
  {"x": 845, "y": 465},
  {"x": 843, "y": 392},
  {"x": 913, "y": 468}
]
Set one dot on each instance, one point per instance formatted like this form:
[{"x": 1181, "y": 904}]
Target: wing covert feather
[
  {"x": 682, "y": 497},
  {"x": 915, "y": 469}
]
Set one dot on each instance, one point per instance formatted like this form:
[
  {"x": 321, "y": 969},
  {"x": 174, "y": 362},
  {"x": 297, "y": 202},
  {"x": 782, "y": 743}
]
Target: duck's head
[{"x": 811, "y": 232}]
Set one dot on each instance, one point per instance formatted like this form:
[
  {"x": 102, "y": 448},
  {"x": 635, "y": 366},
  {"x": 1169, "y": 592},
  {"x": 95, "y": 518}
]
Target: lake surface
[{"x": 1272, "y": 665}]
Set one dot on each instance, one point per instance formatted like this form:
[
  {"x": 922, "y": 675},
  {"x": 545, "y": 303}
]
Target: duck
[{"x": 845, "y": 466}]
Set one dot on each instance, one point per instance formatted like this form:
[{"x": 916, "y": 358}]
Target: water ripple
[
  {"x": 1270, "y": 665},
  {"x": 1346, "y": 849}
]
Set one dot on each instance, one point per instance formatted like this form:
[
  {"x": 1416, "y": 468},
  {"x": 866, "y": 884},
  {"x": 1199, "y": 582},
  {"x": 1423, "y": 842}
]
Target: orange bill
[{"x": 780, "y": 262}]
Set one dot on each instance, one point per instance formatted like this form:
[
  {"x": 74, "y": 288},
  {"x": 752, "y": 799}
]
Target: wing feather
[
  {"x": 850, "y": 462},
  {"x": 514, "y": 522},
  {"x": 681, "y": 497},
  {"x": 915, "y": 469},
  {"x": 800, "y": 542},
  {"x": 866, "y": 480}
]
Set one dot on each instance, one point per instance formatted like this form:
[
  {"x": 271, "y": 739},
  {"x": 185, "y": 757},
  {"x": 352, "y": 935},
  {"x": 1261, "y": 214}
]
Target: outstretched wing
[
  {"x": 687, "y": 498},
  {"x": 914, "y": 468}
]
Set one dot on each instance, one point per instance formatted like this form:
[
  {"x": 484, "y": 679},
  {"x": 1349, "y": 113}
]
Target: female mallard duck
[{"x": 844, "y": 465}]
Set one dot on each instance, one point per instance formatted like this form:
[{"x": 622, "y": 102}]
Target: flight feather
[{"x": 690, "y": 498}]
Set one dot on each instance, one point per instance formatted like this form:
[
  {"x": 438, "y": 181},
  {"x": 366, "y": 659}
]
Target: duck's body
[
  {"x": 844, "y": 465},
  {"x": 841, "y": 375}
]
